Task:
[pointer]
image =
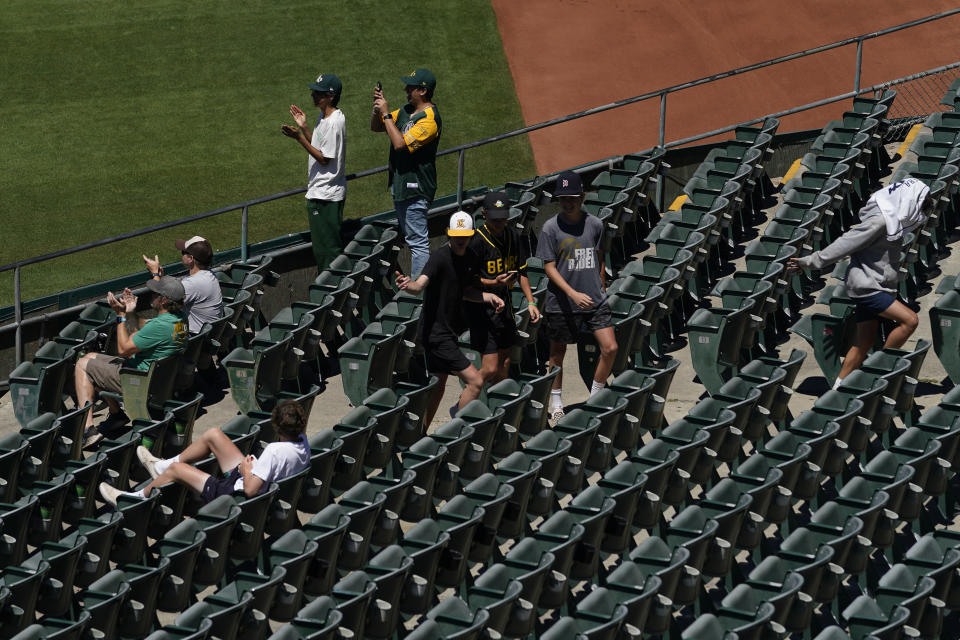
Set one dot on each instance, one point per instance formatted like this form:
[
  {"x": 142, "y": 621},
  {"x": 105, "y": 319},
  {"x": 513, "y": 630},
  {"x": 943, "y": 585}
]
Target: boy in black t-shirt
[
  {"x": 453, "y": 273},
  {"x": 503, "y": 259}
]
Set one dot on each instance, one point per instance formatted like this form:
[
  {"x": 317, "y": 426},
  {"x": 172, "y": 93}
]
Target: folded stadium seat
[
  {"x": 355, "y": 430},
  {"x": 901, "y": 586},
  {"x": 451, "y": 618},
  {"x": 734, "y": 623},
  {"x": 527, "y": 565},
  {"x": 225, "y": 617},
  {"x": 364, "y": 504},
  {"x": 916, "y": 444},
  {"x": 624, "y": 484},
  {"x": 46, "y": 521},
  {"x": 295, "y": 353},
  {"x": 367, "y": 362},
  {"x": 696, "y": 461},
  {"x": 460, "y": 517},
  {"x": 50, "y": 628},
  {"x": 389, "y": 570},
  {"x": 248, "y": 533},
  {"x": 773, "y": 571},
  {"x": 396, "y": 487},
  {"x": 542, "y": 563},
  {"x": 13, "y": 450},
  {"x": 295, "y": 552},
  {"x": 744, "y": 601},
  {"x": 761, "y": 491},
  {"x": 103, "y": 601},
  {"x": 318, "y": 620},
  {"x": 898, "y": 476},
  {"x": 626, "y": 315},
  {"x": 325, "y": 448},
  {"x": 20, "y": 589},
  {"x": 353, "y": 595},
  {"x": 864, "y": 617},
  {"x": 282, "y": 515},
  {"x": 694, "y": 530},
  {"x": 456, "y": 435},
  {"x": 328, "y": 528},
  {"x": 492, "y": 494},
  {"x": 865, "y": 502},
  {"x": 715, "y": 336},
  {"x": 654, "y": 557},
  {"x": 552, "y": 451},
  {"x": 636, "y": 389},
  {"x": 181, "y": 545},
  {"x": 754, "y": 426},
  {"x": 595, "y": 451},
  {"x": 799, "y": 455},
  {"x": 674, "y": 239},
  {"x": 424, "y": 458},
  {"x": 42, "y": 435},
  {"x": 650, "y": 297},
  {"x": 485, "y": 424},
  {"x": 652, "y": 273},
  {"x": 498, "y": 592},
  {"x": 591, "y": 508},
  {"x": 180, "y": 433},
  {"x": 87, "y": 476},
  {"x": 598, "y": 615},
  {"x": 876, "y": 413},
  {"x": 803, "y": 545},
  {"x": 610, "y": 408},
  {"x": 772, "y": 479},
  {"x": 512, "y": 396},
  {"x": 424, "y": 543}
]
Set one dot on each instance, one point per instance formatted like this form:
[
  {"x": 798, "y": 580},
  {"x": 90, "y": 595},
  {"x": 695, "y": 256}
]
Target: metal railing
[{"x": 461, "y": 150}]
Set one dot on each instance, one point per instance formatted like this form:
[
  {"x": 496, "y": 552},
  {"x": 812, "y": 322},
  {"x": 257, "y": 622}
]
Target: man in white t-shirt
[
  {"x": 242, "y": 475},
  {"x": 326, "y": 147},
  {"x": 203, "y": 301}
]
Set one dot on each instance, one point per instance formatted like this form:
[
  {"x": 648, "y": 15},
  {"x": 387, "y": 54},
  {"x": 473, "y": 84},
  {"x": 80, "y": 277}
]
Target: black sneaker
[{"x": 91, "y": 439}]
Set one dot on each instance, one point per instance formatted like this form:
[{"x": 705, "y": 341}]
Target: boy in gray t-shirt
[{"x": 569, "y": 246}]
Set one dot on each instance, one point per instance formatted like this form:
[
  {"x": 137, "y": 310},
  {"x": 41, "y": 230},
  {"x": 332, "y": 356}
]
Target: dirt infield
[{"x": 570, "y": 55}]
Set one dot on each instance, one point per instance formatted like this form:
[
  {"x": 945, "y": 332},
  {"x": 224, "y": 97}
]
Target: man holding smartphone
[
  {"x": 414, "y": 132},
  {"x": 326, "y": 148},
  {"x": 503, "y": 260}
]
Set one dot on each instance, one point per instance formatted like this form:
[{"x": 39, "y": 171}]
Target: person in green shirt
[
  {"x": 159, "y": 337},
  {"x": 414, "y": 132}
]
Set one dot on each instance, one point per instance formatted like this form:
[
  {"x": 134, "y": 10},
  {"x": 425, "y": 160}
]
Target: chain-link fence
[{"x": 918, "y": 96}]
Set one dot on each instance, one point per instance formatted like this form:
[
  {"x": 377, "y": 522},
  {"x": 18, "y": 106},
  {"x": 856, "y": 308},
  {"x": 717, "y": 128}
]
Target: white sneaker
[
  {"x": 110, "y": 493},
  {"x": 148, "y": 460},
  {"x": 556, "y": 415}
]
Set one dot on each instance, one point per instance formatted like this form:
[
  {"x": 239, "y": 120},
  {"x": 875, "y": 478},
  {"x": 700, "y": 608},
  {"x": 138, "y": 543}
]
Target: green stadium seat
[
  {"x": 295, "y": 552},
  {"x": 367, "y": 362},
  {"x": 21, "y": 586},
  {"x": 460, "y": 517},
  {"x": 492, "y": 495},
  {"x": 580, "y": 428},
  {"x": 255, "y": 375},
  {"x": 694, "y": 530},
  {"x": 364, "y": 503},
  {"x": 389, "y": 570},
  {"x": 225, "y": 618},
  {"x": 865, "y": 617},
  {"x": 328, "y": 529},
  {"x": 598, "y": 615},
  {"x": 497, "y": 592},
  {"x": 49, "y": 628},
  {"x": 397, "y": 489},
  {"x": 389, "y": 408},
  {"x": 485, "y": 424},
  {"x": 174, "y": 632},
  {"x": 654, "y": 557},
  {"x": 145, "y": 392},
  {"x": 715, "y": 339},
  {"x": 13, "y": 450},
  {"x": 38, "y": 388},
  {"x": 451, "y": 618},
  {"x": 248, "y": 533},
  {"x": 666, "y": 484},
  {"x": 282, "y": 515},
  {"x": 425, "y": 543},
  {"x": 353, "y": 595},
  {"x": 321, "y": 625},
  {"x": 552, "y": 451}
]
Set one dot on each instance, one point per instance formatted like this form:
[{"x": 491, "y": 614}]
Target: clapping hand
[{"x": 298, "y": 115}]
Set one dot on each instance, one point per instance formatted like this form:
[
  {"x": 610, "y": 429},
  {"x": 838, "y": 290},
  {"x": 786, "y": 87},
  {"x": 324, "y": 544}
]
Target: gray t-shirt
[
  {"x": 576, "y": 251},
  {"x": 203, "y": 301}
]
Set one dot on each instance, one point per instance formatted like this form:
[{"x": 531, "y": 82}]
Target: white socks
[
  {"x": 136, "y": 494},
  {"x": 163, "y": 465},
  {"x": 555, "y": 402},
  {"x": 596, "y": 386},
  {"x": 836, "y": 385}
]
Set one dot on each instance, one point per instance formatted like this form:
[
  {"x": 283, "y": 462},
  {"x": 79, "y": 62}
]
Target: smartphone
[{"x": 379, "y": 86}]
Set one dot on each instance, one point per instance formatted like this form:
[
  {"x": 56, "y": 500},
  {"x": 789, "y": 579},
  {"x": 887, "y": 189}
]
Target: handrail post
[
  {"x": 460, "y": 159},
  {"x": 243, "y": 235},
  {"x": 18, "y": 315},
  {"x": 663, "y": 129},
  {"x": 856, "y": 79}
]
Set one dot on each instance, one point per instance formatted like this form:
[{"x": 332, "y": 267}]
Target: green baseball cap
[
  {"x": 422, "y": 78},
  {"x": 327, "y": 83}
]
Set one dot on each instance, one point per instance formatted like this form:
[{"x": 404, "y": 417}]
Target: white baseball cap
[{"x": 461, "y": 224}]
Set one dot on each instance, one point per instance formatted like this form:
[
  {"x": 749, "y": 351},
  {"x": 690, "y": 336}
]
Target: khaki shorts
[{"x": 104, "y": 372}]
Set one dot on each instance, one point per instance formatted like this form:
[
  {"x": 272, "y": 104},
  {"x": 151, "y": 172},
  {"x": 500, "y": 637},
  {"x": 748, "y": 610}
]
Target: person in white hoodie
[{"x": 874, "y": 247}]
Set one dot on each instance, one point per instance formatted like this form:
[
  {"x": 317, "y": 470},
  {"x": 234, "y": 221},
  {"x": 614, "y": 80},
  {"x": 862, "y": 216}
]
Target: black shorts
[
  {"x": 444, "y": 356},
  {"x": 491, "y": 333},
  {"x": 872, "y": 306},
  {"x": 566, "y": 327},
  {"x": 215, "y": 487}
]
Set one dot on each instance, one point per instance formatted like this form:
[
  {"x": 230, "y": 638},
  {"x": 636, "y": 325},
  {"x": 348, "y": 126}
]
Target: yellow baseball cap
[{"x": 461, "y": 224}]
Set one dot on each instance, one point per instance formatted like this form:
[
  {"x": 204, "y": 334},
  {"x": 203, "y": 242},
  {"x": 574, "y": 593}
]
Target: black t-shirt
[
  {"x": 450, "y": 276},
  {"x": 499, "y": 255}
]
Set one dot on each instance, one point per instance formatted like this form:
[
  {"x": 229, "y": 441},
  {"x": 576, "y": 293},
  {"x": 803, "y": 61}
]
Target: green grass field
[{"x": 119, "y": 116}]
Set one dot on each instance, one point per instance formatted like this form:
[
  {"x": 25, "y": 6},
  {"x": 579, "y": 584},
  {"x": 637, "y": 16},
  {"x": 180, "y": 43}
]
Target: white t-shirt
[
  {"x": 328, "y": 181},
  {"x": 203, "y": 301},
  {"x": 279, "y": 460}
]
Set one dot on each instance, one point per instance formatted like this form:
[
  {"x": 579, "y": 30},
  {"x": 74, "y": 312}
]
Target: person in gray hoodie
[{"x": 874, "y": 247}]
